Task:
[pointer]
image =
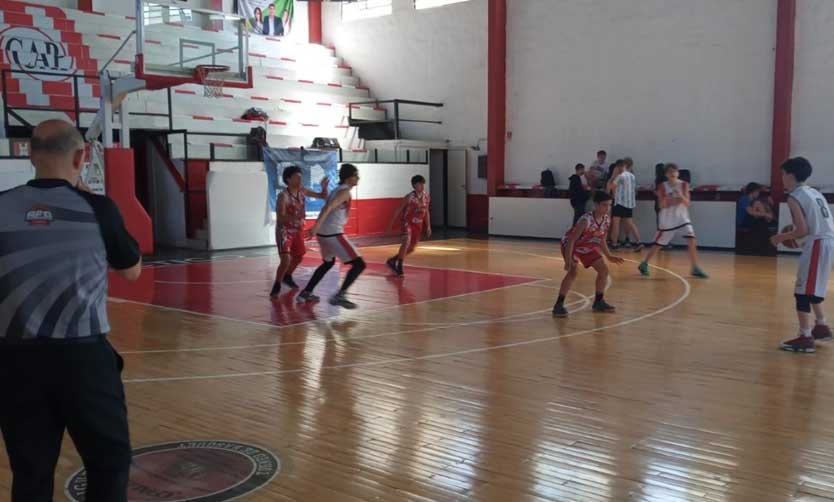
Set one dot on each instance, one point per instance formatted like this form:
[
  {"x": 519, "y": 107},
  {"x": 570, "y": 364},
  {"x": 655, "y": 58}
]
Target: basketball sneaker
[
  {"x": 341, "y": 300},
  {"x": 639, "y": 247},
  {"x": 392, "y": 264},
  {"x": 697, "y": 272},
  {"x": 400, "y": 272},
  {"x": 288, "y": 280},
  {"x": 644, "y": 269},
  {"x": 276, "y": 291},
  {"x": 822, "y": 333},
  {"x": 799, "y": 344},
  {"x": 559, "y": 310},
  {"x": 603, "y": 307},
  {"x": 306, "y": 296}
]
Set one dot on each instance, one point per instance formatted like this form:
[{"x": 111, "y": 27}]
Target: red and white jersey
[
  {"x": 593, "y": 236},
  {"x": 676, "y": 216},
  {"x": 817, "y": 212},
  {"x": 296, "y": 209},
  {"x": 416, "y": 208}
]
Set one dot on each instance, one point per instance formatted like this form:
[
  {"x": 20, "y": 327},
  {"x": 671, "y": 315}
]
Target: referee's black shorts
[
  {"x": 47, "y": 387},
  {"x": 622, "y": 212}
]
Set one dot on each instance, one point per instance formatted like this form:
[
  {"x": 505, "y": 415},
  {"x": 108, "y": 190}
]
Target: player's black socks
[
  {"x": 560, "y": 300},
  {"x": 318, "y": 275},
  {"x": 357, "y": 267},
  {"x": 598, "y": 297}
]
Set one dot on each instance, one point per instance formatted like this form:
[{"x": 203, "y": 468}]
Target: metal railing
[{"x": 397, "y": 120}]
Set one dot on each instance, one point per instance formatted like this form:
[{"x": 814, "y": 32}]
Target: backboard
[{"x": 173, "y": 39}]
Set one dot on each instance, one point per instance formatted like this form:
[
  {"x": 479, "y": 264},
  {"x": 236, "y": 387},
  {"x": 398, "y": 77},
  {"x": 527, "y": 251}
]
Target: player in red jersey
[
  {"x": 415, "y": 215},
  {"x": 585, "y": 242},
  {"x": 289, "y": 229}
]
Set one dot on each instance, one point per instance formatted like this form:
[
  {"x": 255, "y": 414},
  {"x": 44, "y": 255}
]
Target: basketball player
[
  {"x": 585, "y": 242},
  {"x": 329, "y": 231},
  {"x": 673, "y": 219},
  {"x": 812, "y": 220},
  {"x": 289, "y": 229},
  {"x": 415, "y": 214}
]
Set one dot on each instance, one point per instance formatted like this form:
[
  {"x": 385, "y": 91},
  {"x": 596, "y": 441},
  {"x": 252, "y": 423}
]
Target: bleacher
[{"x": 304, "y": 88}]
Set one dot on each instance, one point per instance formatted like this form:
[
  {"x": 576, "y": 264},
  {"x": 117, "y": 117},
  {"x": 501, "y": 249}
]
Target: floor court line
[
  {"x": 687, "y": 291},
  {"x": 585, "y": 301}
]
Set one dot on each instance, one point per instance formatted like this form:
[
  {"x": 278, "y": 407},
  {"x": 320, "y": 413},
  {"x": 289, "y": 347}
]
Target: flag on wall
[
  {"x": 314, "y": 164},
  {"x": 256, "y": 11}
]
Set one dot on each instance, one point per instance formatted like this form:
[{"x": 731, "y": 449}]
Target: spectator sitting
[
  {"x": 579, "y": 192},
  {"x": 752, "y": 207}
]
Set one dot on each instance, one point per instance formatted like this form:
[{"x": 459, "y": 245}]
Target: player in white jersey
[
  {"x": 329, "y": 231},
  {"x": 812, "y": 222},
  {"x": 673, "y": 219}
]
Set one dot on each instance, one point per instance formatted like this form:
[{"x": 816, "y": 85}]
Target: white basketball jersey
[
  {"x": 671, "y": 218},
  {"x": 817, "y": 212},
  {"x": 335, "y": 222}
]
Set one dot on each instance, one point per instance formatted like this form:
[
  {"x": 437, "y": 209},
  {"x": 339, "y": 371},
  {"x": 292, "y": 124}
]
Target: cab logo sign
[{"x": 32, "y": 50}]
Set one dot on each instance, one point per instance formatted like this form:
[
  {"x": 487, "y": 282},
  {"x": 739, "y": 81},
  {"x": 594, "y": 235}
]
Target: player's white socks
[
  {"x": 805, "y": 332},
  {"x": 822, "y": 322}
]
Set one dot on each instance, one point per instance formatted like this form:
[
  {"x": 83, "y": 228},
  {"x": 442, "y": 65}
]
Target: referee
[{"x": 57, "y": 370}]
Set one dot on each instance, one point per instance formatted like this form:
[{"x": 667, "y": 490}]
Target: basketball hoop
[{"x": 212, "y": 77}]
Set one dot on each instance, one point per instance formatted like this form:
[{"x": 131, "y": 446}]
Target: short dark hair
[
  {"x": 752, "y": 187},
  {"x": 619, "y": 162},
  {"x": 288, "y": 173},
  {"x": 671, "y": 166},
  {"x": 347, "y": 171},
  {"x": 602, "y": 152},
  {"x": 579, "y": 166},
  {"x": 61, "y": 142},
  {"x": 417, "y": 178},
  {"x": 600, "y": 196},
  {"x": 271, "y": 6},
  {"x": 799, "y": 167},
  {"x": 628, "y": 162}
]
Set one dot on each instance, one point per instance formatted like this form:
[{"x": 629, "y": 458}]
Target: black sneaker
[
  {"x": 290, "y": 282},
  {"x": 306, "y": 296},
  {"x": 559, "y": 310},
  {"x": 392, "y": 264},
  {"x": 340, "y": 300},
  {"x": 276, "y": 291},
  {"x": 400, "y": 272},
  {"x": 603, "y": 307}
]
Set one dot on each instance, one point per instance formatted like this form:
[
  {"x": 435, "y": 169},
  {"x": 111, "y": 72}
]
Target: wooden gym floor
[{"x": 456, "y": 384}]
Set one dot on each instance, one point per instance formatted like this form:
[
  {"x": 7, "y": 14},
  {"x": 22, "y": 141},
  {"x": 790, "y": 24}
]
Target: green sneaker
[
  {"x": 697, "y": 272},
  {"x": 644, "y": 269}
]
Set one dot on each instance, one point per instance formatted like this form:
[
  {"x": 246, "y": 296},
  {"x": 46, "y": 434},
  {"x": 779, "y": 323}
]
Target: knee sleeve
[{"x": 803, "y": 303}]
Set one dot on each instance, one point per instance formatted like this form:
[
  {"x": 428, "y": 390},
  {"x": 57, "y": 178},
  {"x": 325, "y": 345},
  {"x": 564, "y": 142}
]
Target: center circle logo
[{"x": 191, "y": 471}]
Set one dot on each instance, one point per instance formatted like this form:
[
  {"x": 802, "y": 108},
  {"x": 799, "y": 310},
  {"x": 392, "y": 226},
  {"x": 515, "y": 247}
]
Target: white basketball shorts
[
  {"x": 815, "y": 266},
  {"x": 664, "y": 237},
  {"x": 337, "y": 246}
]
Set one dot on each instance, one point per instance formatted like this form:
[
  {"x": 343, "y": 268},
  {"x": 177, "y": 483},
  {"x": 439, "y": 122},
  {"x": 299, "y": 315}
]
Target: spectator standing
[
  {"x": 579, "y": 192},
  {"x": 597, "y": 171},
  {"x": 624, "y": 185}
]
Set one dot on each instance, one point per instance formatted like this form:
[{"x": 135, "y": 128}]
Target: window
[
  {"x": 428, "y": 4},
  {"x": 160, "y": 13},
  {"x": 363, "y": 9}
]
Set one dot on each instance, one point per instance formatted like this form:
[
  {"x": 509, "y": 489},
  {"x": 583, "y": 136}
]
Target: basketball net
[{"x": 213, "y": 78}]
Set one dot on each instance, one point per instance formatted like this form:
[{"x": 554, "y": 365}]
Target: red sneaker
[
  {"x": 822, "y": 333},
  {"x": 799, "y": 344}
]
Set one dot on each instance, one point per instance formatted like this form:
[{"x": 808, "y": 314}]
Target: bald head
[{"x": 57, "y": 150}]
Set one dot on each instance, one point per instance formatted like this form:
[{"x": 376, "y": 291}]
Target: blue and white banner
[{"x": 314, "y": 164}]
